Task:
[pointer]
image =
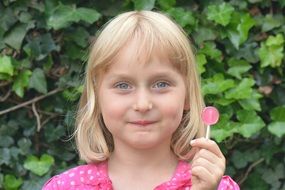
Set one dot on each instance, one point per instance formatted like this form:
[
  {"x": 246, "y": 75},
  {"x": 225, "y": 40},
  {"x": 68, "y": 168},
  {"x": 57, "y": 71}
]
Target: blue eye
[
  {"x": 123, "y": 86},
  {"x": 161, "y": 84}
]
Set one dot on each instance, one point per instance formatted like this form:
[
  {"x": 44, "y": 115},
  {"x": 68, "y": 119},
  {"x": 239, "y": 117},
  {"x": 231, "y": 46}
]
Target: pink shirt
[{"x": 95, "y": 177}]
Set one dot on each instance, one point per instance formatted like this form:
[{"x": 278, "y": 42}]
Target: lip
[{"x": 142, "y": 122}]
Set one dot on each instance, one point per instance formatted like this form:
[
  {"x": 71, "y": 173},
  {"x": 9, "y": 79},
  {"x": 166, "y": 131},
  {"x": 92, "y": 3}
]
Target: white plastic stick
[{"x": 208, "y": 132}]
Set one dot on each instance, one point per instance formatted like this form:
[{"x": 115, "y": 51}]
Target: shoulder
[{"x": 83, "y": 176}]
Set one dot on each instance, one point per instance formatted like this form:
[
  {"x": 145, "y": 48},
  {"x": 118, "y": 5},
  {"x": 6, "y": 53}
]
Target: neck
[
  {"x": 131, "y": 159},
  {"x": 137, "y": 168}
]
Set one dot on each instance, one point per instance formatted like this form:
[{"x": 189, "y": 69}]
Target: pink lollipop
[{"x": 210, "y": 116}]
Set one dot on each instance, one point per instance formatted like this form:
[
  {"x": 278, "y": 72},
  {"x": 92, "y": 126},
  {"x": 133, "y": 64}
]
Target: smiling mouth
[{"x": 142, "y": 123}]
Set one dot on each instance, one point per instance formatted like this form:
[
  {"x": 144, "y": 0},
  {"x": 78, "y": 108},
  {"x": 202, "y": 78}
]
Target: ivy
[
  {"x": 239, "y": 48},
  {"x": 63, "y": 15},
  {"x": 39, "y": 166},
  {"x": 271, "y": 51},
  {"x": 221, "y": 14},
  {"x": 6, "y": 67}
]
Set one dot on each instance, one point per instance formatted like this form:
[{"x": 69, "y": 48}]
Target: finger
[
  {"x": 205, "y": 178},
  {"x": 204, "y": 163},
  {"x": 214, "y": 169},
  {"x": 208, "y": 144},
  {"x": 202, "y": 173},
  {"x": 210, "y": 156}
]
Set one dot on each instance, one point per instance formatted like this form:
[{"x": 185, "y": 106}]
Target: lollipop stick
[{"x": 208, "y": 132}]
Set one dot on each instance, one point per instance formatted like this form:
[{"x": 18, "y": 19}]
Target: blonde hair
[{"x": 154, "y": 31}]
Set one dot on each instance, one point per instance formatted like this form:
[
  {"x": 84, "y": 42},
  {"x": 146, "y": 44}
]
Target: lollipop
[{"x": 210, "y": 116}]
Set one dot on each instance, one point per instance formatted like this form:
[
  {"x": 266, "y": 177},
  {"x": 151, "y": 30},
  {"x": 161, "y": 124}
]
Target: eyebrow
[{"x": 154, "y": 75}]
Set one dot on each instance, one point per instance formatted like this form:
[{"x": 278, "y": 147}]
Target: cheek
[
  {"x": 112, "y": 108},
  {"x": 172, "y": 109},
  {"x": 173, "y": 112}
]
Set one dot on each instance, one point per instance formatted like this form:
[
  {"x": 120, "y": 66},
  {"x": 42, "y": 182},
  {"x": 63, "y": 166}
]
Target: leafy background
[{"x": 240, "y": 54}]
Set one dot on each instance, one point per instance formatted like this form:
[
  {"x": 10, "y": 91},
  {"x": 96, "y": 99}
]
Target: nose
[{"x": 143, "y": 102}]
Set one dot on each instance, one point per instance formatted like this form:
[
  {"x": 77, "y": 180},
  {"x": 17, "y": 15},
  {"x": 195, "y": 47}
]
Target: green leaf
[
  {"x": 201, "y": 61},
  {"x": 24, "y": 145},
  {"x": 239, "y": 160},
  {"x": 246, "y": 23},
  {"x": 271, "y": 21},
  {"x": 238, "y": 67},
  {"x": 5, "y": 156},
  {"x": 6, "y": 66},
  {"x": 6, "y": 141},
  {"x": 222, "y": 101},
  {"x": 242, "y": 91},
  {"x": 72, "y": 94},
  {"x": 242, "y": 158},
  {"x": 217, "y": 84},
  {"x": 35, "y": 183},
  {"x": 39, "y": 166},
  {"x": 224, "y": 128},
  {"x": 255, "y": 1},
  {"x": 54, "y": 133},
  {"x": 7, "y": 18},
  {"x": 221, "y": 14},
  {"x": 21, "y": 82},
  {"x": 166, "y": 4},
  {"x": 282, "y": 3},
  {"x": 1, "y": 180},
  {"x": 38, "y": 81},
  {"x": 79, "y": 36},
  {"x": 182, "y": 17},
  {"x": 250, "y": 123},
  {"x": 278, "y": 40},
  {"x": 87, "y": 15},
  {"x": 64, "y": 15},
  {"x": 144, "y": 4},
  {"x": 209, "y": 49},
  {"x": 15, "y": 37},
  {"x": 255, "y": 181},
  {"x": 251, "y": 103},
  {"x": 278, "y": 113},
  {"x": 277, "y": 128},
  {"x": 271, "y": 51},
  {"x": 274, "y": 176},
  {"x": 73, "y": 51},
  {"x": 202, "y": 34},
  {"x": 12, "y": 183},
  {"x": 239, "y": 28},
  {"x": 247, "y": 51},
  {"x": 39, "y": 47}
]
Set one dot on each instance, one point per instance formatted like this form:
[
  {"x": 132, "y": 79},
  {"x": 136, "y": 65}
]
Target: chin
[{"x": 148, "y": 144}]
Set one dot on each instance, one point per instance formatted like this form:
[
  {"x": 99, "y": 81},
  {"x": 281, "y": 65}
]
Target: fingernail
[{"x": 192, "y": 141}]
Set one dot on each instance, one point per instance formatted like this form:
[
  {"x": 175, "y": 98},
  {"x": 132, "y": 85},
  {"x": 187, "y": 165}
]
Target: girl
[{"x": 140, "y": 109}]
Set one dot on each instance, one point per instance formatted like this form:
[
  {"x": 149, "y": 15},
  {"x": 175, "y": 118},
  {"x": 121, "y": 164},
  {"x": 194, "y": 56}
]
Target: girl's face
[{"x": 141, "y": 103}]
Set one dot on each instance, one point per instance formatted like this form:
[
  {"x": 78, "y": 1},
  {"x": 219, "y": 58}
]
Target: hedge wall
[{"x": 240, "y": 54}]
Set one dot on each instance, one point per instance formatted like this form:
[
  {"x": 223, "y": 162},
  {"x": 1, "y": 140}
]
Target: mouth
[{"x": 142, "y": 123}]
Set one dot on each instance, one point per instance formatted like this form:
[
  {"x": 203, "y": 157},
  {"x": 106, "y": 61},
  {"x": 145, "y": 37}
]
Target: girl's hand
[{"x": 208, "y": 164}]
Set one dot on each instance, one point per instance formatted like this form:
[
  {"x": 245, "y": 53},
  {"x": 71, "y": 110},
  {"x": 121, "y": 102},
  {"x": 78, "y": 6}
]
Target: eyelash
[
  {"x": 127, "y": 86},
  {"x": 166, "y": 84},
  {"x": 119, "y": 85}
]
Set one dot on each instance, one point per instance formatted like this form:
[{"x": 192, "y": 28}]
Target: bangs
[{"x": 152, "y": 34}]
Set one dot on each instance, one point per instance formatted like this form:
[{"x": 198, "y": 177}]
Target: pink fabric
[{"x": 95, "y": 177}]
